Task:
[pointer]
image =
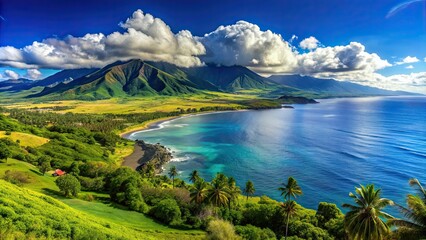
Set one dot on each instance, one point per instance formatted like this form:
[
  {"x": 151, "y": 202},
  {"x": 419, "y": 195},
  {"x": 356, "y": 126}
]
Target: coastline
[
  {"x": 155, "y": 123},
  {"x": 132, "y": 160}
]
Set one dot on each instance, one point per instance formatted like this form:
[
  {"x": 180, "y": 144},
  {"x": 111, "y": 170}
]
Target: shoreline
[
  {"x": 155, "y": 123},
  {"x": 132, "y": 160}
]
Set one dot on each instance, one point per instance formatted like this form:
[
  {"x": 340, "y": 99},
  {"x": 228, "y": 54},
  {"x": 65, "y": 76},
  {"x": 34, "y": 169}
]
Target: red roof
[{"x": 59, "y": 172}]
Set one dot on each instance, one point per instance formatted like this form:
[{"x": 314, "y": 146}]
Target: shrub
[
  {"x": 251, "y": 232},
  {"x": 17, "y": 177},
  {"x": 167, "y": 211},
  {"x": 68, "y": 184},
  {"x": 219, "y": 229}
]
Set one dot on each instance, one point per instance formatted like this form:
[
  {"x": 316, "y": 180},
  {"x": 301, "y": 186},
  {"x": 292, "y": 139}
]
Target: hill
[
  {"x": 330, "y": 87},
  {"x": 29, "y": 214}
]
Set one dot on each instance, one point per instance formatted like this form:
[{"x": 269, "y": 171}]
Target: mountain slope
[
  {"x": 62, "y": 76},
  {"x": 131, "y": 78},
  {"x": 7, "y": 84},
  {"x": 330, "y": 87},
  {"x": 229, "y": 78}
]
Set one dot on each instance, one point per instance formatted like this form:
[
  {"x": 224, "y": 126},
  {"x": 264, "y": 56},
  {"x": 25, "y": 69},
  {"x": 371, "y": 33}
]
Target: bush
[
  {"x": 92, "y": 184},
  {"x": 219, "y": 230},
  {"x": 167, "y": 211},
  {"x": 68, "y": 184},
  {"x": 17, "y": 177},
  {"x": 251, "y": 232}
]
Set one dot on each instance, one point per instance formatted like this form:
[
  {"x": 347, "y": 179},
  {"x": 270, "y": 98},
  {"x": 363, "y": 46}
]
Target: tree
[
  {"x": 4, "y": 152},
  {"x": 68, "y": 184},
  {"x": 194, "y": 176},
  {"x": 290, "y": 189},
  {"x": 233, "y": 190},
  {"x": 289, "y": 208},
  {"x": 218, "y": 193},
  {"x": 167, "y": 211},
  {"x": 172, "y": 174},
  {"x": 119, "y": 181},
  {"x": 365, "y": 219},
  {"x": 44, "y": 167},
  {"x": 249, "y": 190},
  {"x": 198, "y": 191},
  {"x": 75, "y": 168},
  {"x": 414, "y": 227}
]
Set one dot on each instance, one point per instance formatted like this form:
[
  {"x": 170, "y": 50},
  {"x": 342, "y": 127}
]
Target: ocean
[{"x": 330, "y": 147}]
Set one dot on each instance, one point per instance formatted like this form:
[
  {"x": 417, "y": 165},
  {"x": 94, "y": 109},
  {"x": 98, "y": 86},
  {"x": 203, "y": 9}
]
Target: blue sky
[{"x": 332, "y": 23}]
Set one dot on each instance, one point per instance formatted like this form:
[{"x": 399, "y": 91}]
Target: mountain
[
  {"x": 330, "y": 87},
  {"x": 141, "y": 78},
  {"x": 61, "y": 76},
  {"x": 7, "y": 84},
  {"x": 131, "y": 78},
  {"x": 229, "y": 78}
]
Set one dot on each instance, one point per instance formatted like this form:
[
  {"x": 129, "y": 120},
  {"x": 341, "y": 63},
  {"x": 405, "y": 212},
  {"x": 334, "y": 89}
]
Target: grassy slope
[
  {"x": 25, "y": 139},
  {"x": 97, "y": 211}
]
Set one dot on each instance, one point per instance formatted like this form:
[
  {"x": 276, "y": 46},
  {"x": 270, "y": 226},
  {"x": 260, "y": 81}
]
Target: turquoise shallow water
[{"x": 328, "y": 147}]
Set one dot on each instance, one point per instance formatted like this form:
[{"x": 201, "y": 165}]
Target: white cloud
[
  {"x": 407, "y": 59},
  {"x": 244, "y": 43},
  {"x": 349, "y": 58},
  {"x": 11, "y": 74},
  {"x": 146, "y": 37},
  {"x": 33, "y": 74},
  {"x": 409, "y": 67},
  {"x": 424, "y": 59},
  {"x": 309, "y": 43}
]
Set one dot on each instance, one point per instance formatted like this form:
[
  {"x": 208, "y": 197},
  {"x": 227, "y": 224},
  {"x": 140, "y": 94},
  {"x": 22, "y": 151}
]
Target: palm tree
[
  {"x": 415, "y": 226},
  {"x": 234, "y": 191},
  {"x": 290, "y": 189},
  {"x": 365, "y": 220},
  {"x": 218, "y": 193},
  {"x": 173, "y": 173},
  {"x": 289, "y": 208},
  {"x": 194, "y": 176},
  {"x": 249, "y": 190},
  {"x": 198, "y": 191}
]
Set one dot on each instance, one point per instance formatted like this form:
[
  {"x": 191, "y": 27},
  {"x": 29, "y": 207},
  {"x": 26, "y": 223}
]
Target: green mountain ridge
[{"x": 141, "y": 78}]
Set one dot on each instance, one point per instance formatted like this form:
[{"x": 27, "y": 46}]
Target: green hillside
[{"x": 29, "y": 214}]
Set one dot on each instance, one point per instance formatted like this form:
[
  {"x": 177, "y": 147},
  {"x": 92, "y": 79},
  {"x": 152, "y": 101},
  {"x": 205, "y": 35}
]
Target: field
[
  {"x": 25, "y": 139},
  {"x": 137, "y": 105}
]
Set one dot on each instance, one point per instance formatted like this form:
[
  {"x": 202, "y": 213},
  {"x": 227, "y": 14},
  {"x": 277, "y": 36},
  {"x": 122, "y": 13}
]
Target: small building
[{"x": 58, "y": 173}]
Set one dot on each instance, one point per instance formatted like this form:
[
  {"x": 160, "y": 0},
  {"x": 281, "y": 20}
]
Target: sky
[{"x": 379, "y": 43}]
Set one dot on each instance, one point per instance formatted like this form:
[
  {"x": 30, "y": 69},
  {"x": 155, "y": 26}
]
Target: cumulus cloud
[
  {"x": 145, "y": 37},
  {"x": 244, "y": 43},
  {"x": 33, "y": 74},
  {"x": 309, "y": 43},
  {"x": 349, "y": 58},
  {"x": 413, "y": 82},
  {"x": 10, "y": 74},
  {"x": 407, "y": 60},
  {"x": 409, "y": 67}
]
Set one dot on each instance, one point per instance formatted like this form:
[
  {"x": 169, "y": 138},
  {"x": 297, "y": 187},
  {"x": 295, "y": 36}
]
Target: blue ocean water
[{"x": 329, "y": 147}]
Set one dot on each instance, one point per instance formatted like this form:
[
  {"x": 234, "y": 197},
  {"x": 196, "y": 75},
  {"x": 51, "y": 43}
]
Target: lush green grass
[
  {"x": 38, "y": 182},
  {"x": 140, "y": 104},
  {"x": 131, "y": 221},
  {"x": 25, "y": 139}
]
